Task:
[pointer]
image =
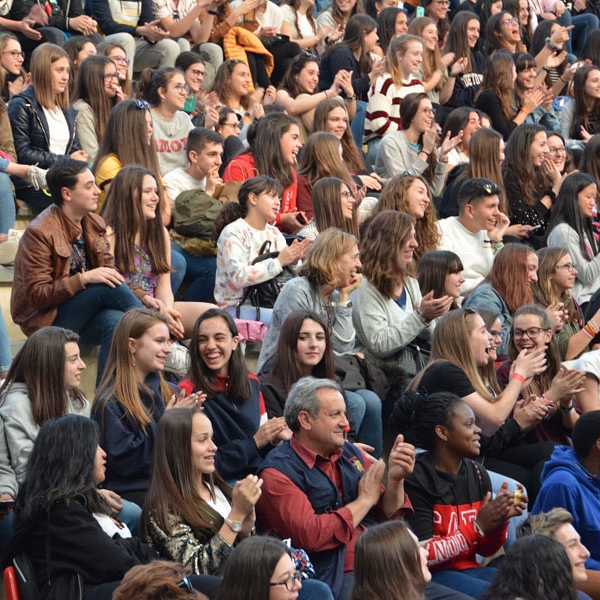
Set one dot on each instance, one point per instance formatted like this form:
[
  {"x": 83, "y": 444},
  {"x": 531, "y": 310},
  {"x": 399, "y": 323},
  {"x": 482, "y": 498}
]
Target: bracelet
[
  {"x": 478, "y": 529},
  {"x": 422, "y": 317},
  {"x": 325, "y": 92},
  {"x": 351, "y": 98},
  {"x": 519, "y": 377},
  {"x": 550, "y": 192},
  {"x": 211, "y": 12},
  {"x": 545, "y": 68},
  {"x": 522, "y": 110},
  {"x": 498, "y": 245},
  {"x": 548, "y": 43},
  {"x": 443, "y": 160},
  {"x": 591, "y": 329},
  {"x": 424, "y": 152},
  {"x": 567, "y": 409},
  {"x": 347, "y": 304}
]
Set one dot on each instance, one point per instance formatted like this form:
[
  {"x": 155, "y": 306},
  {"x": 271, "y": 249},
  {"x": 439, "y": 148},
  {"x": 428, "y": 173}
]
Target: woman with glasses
[
  {"x": 521, "y": 11},
  {"x": 502, "y": 31},
  {"x": 556, "y": 279},
  {"x": 12, "y": 74},
  {"x": 96, "y": 92},
  {"x": 413, "y": 149},
  {"x": 563, "y": 159},
  {"x": 570, "y": 227},
  {"x": 117, "y": 54},
  {"x": 166, "y": 92},
  {"x": 260, "y": 568},
  {"x": 497, "y": 95},
  {"x": 438, "y": 11}
]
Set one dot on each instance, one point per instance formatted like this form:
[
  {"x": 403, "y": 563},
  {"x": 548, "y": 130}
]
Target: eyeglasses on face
[
  {"x": 531, "y": 332},
  {"x": 291, "y": 582},
  {"x": 495, "y": 333},
  {"x": 197, "y": 73},
  {"x": 429, "y": 111},
  {"x": 235, "y": 125},
  {"x": 347, "y": 194},
  {"x": 570, "y": 267},
  {"x": 442, "y": 2},
  {"x": 557, "y": 150},
  {"x": 122, "y": 60},
  {"x": 15, "y": 53},
  {"x": 114, "y": 75},
  {"x": 510, "y": 21},
  {"x": 181, "y": 87}
]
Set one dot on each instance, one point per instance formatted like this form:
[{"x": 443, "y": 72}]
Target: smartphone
[
  {"x": 420, "y": 12},
  {"x": 301, "y": 218}
]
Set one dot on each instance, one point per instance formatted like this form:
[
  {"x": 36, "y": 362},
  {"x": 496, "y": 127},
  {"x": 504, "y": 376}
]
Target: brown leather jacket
[{"x": 41, "y": 280}]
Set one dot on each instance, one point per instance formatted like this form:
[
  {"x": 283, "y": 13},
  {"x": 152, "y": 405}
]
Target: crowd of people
[{"x": 398, "y": 203}]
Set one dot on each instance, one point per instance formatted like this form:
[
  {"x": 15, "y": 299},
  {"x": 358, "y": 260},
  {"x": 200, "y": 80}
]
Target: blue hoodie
[{"x": 566, "y": 483}]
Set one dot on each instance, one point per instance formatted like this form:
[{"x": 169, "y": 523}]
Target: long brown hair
[
  {"x": 498, "y": 78},
  {"x": 42, "y": 59},
  {"x": 432, "y": 59}
]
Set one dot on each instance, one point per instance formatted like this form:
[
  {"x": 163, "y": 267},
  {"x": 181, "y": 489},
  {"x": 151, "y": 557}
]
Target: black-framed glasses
[
  {"x": 570, "y": 266},
  {"x": 114, "y": 75},
  {"x": 142, "y": 104},
  {"x": 186, "y": 584},
  {"x": 495, "y": 333},
  {"x": 122, "y": 60},
  {"x": 15, "y": 53},
  {"x": 347, "y": 194},
  {"x": 197, "y": 73},
  {"x": 557, "y": 150},
  {"x": 290, "y": 582},
  {"x": 531, "y": 332},
  {"x": 510, "y": 21}
]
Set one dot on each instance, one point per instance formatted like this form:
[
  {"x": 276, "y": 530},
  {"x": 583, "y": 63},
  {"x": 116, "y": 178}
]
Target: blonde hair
[
  {"x": 42, "y": 59},
  {"x": 399, "y": 44}
]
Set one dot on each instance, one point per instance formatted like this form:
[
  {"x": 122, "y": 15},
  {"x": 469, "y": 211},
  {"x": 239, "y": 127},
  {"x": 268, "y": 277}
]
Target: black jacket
[{"x": 32, "y": 133}]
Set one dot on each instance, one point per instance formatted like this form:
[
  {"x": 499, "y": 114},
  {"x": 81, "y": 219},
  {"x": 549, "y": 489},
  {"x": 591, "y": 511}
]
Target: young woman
[
  {"x": 12, "y": 74},
  {"x": 141, "y": 246},
  {"x": 332, "y": 116},
  {"x": 437, "y": 80},
  {"x": 321, "y": 157},
  {"x": 328, "y": 275},
  {"x": 232, "y": 86},
  {"x": 232, "y": 397},
  {"x": 497, "y": 95},
  {"x": 240, "y": 242},
  {"x": 447, "y": 482},
  {"x": 166, "y": 92},
  {"x": 580, "y": 118},
  {"x": 531, "y": 180},
  {"x": 117, "y": 54},
  {"x": 402, "y": 63},
  {"x": 300, "y": 16},
  {"x": 394, "y": 542},
  {"x": 95, "y": 94},
  {"x": 298, "y": 92},
  {"x": 468, "y": 121},
  {"x": 411, "y": 194},
  {"x": 260, "y": 568},
  {"x": 556, "y": 279},
  {"x": 521, "y": 11},
  {"x": 440, "y": 272},
  {"x": 570, "y": 228},
  {"x": 281, "y": 131},
  {"x": 414, "y": 148},
  {"x": 191, "y": 514},
  {"x": 62, "y": 522},
  {"x": 304, "y": 349},
  {"x": 558, "y": 75},
  {"x": 194, "y": 73},
  {"x": 392, "y": 21},
  {"x": 131, "y": 399},
  {"x": 329, "y": 213},
  {"x": 337, "y": 15},
  {"x": 532, "y": 330},
  {"x": 535, "y": 567},
  {"x": 42, "y": 120},
  {"x": 508, "y": 286},
  {"x": 390, "y": 315},
  {"x": 502, "y": 32},
  {"x": 438, "y": 12},
  {"x": 562, "y": 158},
  {"x": 78, "y": 48},
  {"x": 462, "y": 42}
]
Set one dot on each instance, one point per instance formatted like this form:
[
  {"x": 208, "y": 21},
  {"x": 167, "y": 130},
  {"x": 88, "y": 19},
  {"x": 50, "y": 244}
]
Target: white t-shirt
[
  {"x": 304, "y": 26},
  {"x": 59, "y": 130},
  {"x": 271, "y": 17},
  {"x": 177, "y": 181},
  {"x": 166, "y": 8}
]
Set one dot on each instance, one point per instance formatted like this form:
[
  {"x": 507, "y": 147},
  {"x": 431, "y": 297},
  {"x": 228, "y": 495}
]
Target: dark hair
[
  {"x": 492, "y": 27},
  {"x": 591, "y": 47},
  {"x": 64, "y": 173},
  {"x": 416, "y": 414},
  {"x": 473, "y": 191},
  {"x": 586, "y": 432},
  {"x": 386, "y": 26},
  {"x": 186, "y": 59},
  {"x": 458, "y": 119},
  {"x": 249, "y": 568},
  {"x": 523, "y": 61},
  {"x": 203, "y": 378},
  {"x": 567, "y": 210},
  {"x": 357, "y": 27},
  {"x": 289, "y": 81},
  {"x": 457, "y": 41},
  {"x": 198, "y": 137},
  {"x": 151, "y": 81},
  {"x": 40, "y": 365},
  {"x": 432, "y": 269},
  {"x": 173, "y": 485},
  {"x": 286, "y": 366},
  {"x": 61, "y": 467},
  {"x": 222, "y": 80},
  {"x": 582, "y": 113},
  {"x": 408, "y": 110},
  {"x": 535, "y": 567}
]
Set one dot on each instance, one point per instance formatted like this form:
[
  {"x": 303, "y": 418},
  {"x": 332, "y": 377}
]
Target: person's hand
[
  {"x": 342, "y": 81},
  {"x": 15, "y": 87},
  {"x": 4, "y": 512},
  {"x": 560, "y": 35},
  {"x": 369, "y": 487},
  {"x": 26, "y": 27},
  {"x": 448, "y": 58},
  {"x": 548, "y": 98},
  {"x": 322, "y": 33},
  {"x": 38, "y": 15},
  {"x": 112, "y": 499},
  {"x": 551, "y": 171},
  {"x": 355, "y": 280},
  {"x": 248, "y": 6},
  {"x": 530, "y": 412},
  {"x": 269, "y": 96},
  {"x": 174, "y": 322},
  {"x": 555, "y": 60},
  {"x": 107, "y": 275},
  {"x": 580, "y": 5},
  {"x": 152, "y": 303},
  {"x": 266, "y": 32},
  {"x": 376, "y": 69},
  {"x": 529, "y": 363},
  {"x": 499, "y": 230},
  {"x": 566, "y": 384},
  {"x": 84, "y": 24},
  {"x": 555, "y": 312},
  {"x": 533, "y": 99},
  {"x": 493, "y": 513},
  {"x": 195, "y": 400},
  {"x": 459, "y": 67},
  {"x": 269, "y": 432},
  {"x": 336, "y": 34},
  {"x": 450, "y": 142},
  {"x": 430, "y": 138},
  {"x": 289, "y": 221},
  {"x": 244, "y": 496},
  {"x": 401, "y": 461},
  {"x": 559, "y": 8},
  {"x": 212, "y": 181},
  {"x": 431, "y": 307},
  {"x": 291, "y": 254},
  {"x": 79, "y": 155},
  {"x": 372, "y": 181},
  {"x": 520, "y": 231},
  {"x": 585, "y": 135},
  {"x": 366, "y": 451},
  {"x": 151, "y": 31}
]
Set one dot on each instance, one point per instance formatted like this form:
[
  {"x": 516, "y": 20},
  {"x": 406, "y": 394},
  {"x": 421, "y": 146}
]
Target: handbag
[
  {"x": 403, "y": 366},
  {"x": 264, "y": 294},
  {"x": 357, "y": 373}
]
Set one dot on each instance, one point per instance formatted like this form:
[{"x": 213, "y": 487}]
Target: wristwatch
[{"x": 235, "y": 526}]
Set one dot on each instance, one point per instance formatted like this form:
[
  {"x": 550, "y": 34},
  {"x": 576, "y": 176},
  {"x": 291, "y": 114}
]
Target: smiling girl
[
  {"x": 12, "y": 73},
  {"x": 441, "y": 271}
]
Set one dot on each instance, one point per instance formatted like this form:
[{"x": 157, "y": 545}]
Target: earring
[
  {"x": 132, "y": 359},
  {"x": 445, "y": 438}
]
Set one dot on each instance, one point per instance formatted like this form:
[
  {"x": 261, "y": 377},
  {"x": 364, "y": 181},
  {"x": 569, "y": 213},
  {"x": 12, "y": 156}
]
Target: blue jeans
[
  {"x": 131, "y": 514},
  {"x": 473, "y": 582},
  {"x": 357, "y": 126},
  {"x": 365, "y": 407},
  {"x": 7, "y": 199},
  {"x": 178, "y": 265},
  {"x": 5, "y": 356},
  {"x": 201, "y": 272},
  {"x": 248, "y": 312},
  {"x": 584, "y": 23},
  {"x": 94, "y": 313}
]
